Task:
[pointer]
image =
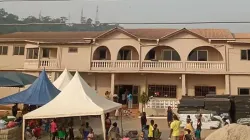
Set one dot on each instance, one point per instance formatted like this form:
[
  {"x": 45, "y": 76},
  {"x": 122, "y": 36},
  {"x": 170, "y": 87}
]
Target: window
[
  {"x": 103, "y": 54},
  {"x": 125, "y": 54},
  {"x": 168, "y": 91},
  {"x": 245, "y": 55},
  {"x": 204, "y": 90},
  {"x": 46, "y": 52},
  {"x": 170, "y": 55},
  {"x": 3, "y": 50},
  {"x": 73, "y": 50},
  {"x": 151, "y": 55},
  {"x": 244, "y": 91},
  {"x": 18, "y": 50},
  {"x": 32, "y": 54},
  {"x": 198, "y": 55}
]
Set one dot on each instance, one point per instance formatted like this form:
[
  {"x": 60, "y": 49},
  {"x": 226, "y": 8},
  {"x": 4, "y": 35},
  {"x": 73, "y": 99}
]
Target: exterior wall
[
  {"x": 11, "y": 61},
  {"x": 78, "y": 61},
  {"x": 115, "y": 42},
  {"x": 165, "y": 79},
  {"x": 184, "y": 43},
  {"x": 103, "y": 83},
  {"x": 238, "y": 81},
  {"x": 235, "y": 63},
  {"x": 205, "y": 80}
]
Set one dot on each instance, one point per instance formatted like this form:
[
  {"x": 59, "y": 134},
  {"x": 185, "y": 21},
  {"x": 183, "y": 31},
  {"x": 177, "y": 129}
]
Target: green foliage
[
  {"x": 8, "y": 18},
  {"x": 143, "y": 98}
]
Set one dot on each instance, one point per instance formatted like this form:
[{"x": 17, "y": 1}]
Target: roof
[
  {"x": 63, "y": 80},
  {"x": 76, "y": 99},
  {"x": 158, "y": 33},
  {"x": 241, "y": 38}
]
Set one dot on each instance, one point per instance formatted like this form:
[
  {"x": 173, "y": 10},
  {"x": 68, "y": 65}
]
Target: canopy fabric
[
  {"x": 76, "y": 99},
  {"x": 63, "y": 80},
  {"x": 39, "y": 93},
  {"x": 15, "y": 79}
]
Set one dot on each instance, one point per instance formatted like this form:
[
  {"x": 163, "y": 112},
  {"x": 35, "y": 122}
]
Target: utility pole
[{"x": 97, "y": 22}]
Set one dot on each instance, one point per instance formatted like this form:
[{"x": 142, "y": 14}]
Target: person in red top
[
  {"x": 53, "y": 129},
  {"x": 37, "y": 132}
]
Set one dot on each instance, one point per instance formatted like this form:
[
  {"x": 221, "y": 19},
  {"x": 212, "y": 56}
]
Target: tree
[
  {"x": 89, "y": 21},
  {"x": 143, "y": 99}
]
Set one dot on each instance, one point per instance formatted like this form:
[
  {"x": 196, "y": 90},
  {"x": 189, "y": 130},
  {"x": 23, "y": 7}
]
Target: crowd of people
[{"x": 152, "y": 132}]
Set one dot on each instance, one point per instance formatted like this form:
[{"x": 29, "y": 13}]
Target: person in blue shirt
[{"x": 130, "y": 100}]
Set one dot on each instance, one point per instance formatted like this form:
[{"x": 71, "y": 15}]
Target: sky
[{"x": 142, "y": 11}]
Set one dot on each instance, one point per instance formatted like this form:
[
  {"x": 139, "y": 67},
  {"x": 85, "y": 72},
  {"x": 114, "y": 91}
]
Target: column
[
  {"x": 112, "y": 84},
  {"x": 227, "y": 85},
  {"x": 183, "y": 84}
]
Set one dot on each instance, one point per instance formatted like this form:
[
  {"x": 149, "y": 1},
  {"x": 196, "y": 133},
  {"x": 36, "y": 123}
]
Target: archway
[
  {"x": 205, "y": 53},
  {"x": 128, "y": 53},
  {"x": 163, "y": 53},
  {"x": 102, "y": 53}
]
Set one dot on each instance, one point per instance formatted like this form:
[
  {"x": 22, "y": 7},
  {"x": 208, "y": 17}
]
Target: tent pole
[
  {"x": 103, "y": 126},
  {"x": 23, "y": 130},
  {"x": 121, "y": 123}
]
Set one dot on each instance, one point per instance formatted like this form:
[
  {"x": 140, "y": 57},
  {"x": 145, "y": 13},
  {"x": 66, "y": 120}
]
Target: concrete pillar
[
  {"x": 227, "y": 85},
  {"x": 112, "y": 84},
  {"x": 183, "y": 84}
]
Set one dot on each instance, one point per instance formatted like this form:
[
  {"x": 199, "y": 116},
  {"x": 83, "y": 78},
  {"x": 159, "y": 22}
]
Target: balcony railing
[
  {"x": 115, "y": 65},
  {"x": 205, "y": 66},
  {"x": 147, "y": 65},
  {"x": 162, "y": 65},
  {"x": 43, "y": 63}
]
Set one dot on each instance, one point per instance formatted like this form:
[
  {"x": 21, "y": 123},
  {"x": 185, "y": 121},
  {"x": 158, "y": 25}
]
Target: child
[
  {"x": 157, "y": 133},
  {"x": 188, "y": 136},
  {"x": 197, "y": 134},
  {"x": 91, "y": 135},
  {"x": 145, "y": 132},
  {"x": 61, "y": 134}
]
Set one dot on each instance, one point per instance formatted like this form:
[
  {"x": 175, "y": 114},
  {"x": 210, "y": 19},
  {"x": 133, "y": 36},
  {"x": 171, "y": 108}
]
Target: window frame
[
  {"x": 2, "y": 47},
  {"x": 197, "y": 55},
  {"x": 73, "y": 51},
  {"x": 171, "y": 57},
  {"x": 33, "y": 53},
  {"x": 203, "y": 86},
  {"x": 165, "y": 92},
  {"x": 129, "y": 51},
  {"x": 19, "y": 48},
  {"x": 239, "y": 88},
  {"x": 246, "y": 54}
]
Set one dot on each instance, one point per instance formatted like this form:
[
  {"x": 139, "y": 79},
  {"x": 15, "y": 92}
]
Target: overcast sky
[{"x": 143, "y": 11}]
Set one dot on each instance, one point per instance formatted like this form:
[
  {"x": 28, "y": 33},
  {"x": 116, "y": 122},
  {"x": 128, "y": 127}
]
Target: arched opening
[
  {"x": 163, "y": 53},
  {"x": 205, "y": 53},
  {"x": 128, "y": 53},
  {"x": 102, "y": 53}
]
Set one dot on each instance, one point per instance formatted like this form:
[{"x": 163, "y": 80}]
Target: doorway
[{"x": 121, "y": 89}]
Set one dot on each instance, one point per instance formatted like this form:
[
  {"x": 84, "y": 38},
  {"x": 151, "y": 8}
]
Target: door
[{"x": 135, "y": 93}]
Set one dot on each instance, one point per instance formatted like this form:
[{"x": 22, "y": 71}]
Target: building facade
[{"x": 167, "y": 63}]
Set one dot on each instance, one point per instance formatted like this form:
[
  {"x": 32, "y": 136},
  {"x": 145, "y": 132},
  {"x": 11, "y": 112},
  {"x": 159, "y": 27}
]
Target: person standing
[
  {"x": 107, "y": 124},
  {"x": 151, "y": 130},
  {"x": 130, "y": 100},
  {"x": 14, "y": 110},
  {"x": 71, "y": 132},
  {"x": 53, "y": 129},
  {"x": 169, "y": 115},
  {"x": 175, "y": 129},
  {"x": 143, "y": 120}
]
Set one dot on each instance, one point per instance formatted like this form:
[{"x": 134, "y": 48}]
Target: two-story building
[{"x": 169, "y": 62}]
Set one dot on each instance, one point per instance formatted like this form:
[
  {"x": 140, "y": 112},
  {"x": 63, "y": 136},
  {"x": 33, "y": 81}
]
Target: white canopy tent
[
  {"x": 76, "y": 99},
  {"x": 63, "y": 80}
]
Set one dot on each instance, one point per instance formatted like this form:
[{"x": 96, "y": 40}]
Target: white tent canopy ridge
[
  {"x": 63, "y": 80},
  {"x": 76, "y": 99}
]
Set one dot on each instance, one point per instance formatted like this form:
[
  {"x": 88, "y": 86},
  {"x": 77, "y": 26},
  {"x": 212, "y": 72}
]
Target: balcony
[
  {"x": 147, "y": 65},
  {"x": 118, "y": 65},
  {"x": 43, "y": 63}
]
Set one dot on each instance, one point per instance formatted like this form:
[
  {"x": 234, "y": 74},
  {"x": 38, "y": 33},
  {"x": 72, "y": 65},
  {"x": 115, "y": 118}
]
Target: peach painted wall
[
  {"x": 205, "y": 80},
  {"x": 239, "y": 81}
]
